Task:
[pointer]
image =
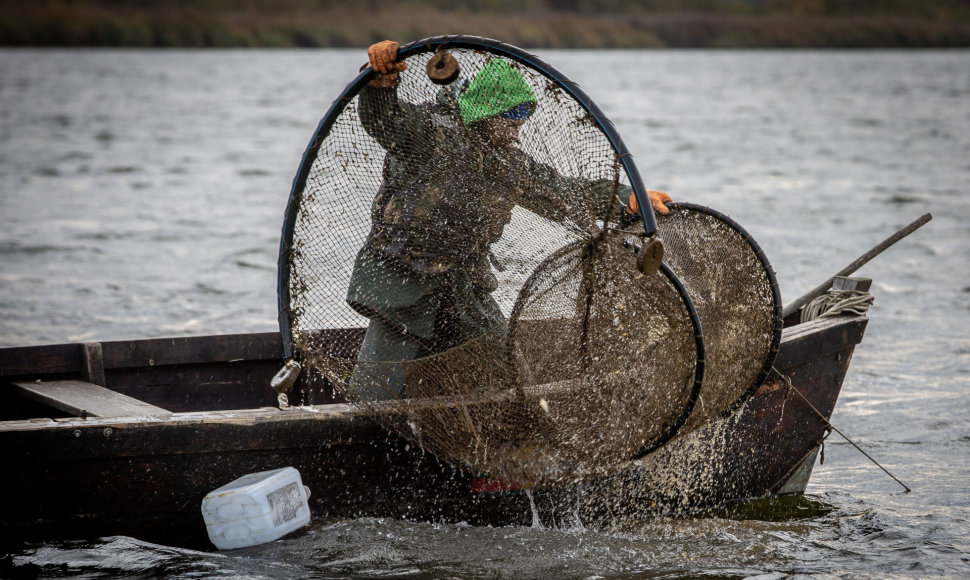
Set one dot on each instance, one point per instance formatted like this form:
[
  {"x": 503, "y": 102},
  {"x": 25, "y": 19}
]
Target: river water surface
[{"x": 142, "y": 194}]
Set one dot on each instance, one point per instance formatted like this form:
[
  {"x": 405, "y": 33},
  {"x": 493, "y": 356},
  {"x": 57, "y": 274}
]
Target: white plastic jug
[{"x": 256, "y": 508}]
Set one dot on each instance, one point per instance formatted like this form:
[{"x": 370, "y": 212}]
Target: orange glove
[
  {"x": 383, "y": 59},
  {"x": 657, "y": 200}
]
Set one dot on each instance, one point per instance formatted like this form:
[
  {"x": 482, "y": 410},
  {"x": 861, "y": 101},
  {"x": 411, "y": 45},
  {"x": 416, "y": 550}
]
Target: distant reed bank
[{"x": 529, "y": 23}]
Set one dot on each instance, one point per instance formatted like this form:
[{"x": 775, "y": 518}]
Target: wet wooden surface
[
  {"x": 82, "y": 399},
  {"x": 146, "y": 477}
]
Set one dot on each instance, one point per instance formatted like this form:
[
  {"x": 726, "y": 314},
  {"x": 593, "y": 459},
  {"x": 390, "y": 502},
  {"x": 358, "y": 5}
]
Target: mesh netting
[
  {"x": 467, "y": 227},
  {"x": 734, "y": 290},
  {"x": 592, "y": 331}
]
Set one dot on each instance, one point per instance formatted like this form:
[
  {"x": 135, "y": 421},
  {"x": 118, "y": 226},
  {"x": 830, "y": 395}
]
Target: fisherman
[{"x": 423, "y": 277}]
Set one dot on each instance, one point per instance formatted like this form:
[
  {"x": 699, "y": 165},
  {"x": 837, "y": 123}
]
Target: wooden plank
[
  {"x": 200, "y": 387},
  {"x": 37, "y": 360},
  {"x": 810, "y": 340},
  {"x": 192, "y": 350},
  {"x": 338, "y": 416},
  {"x": 799, "y": 331},
  {"x": 92, "y": 363},
  {"x": 69, "y": 358},
  {"x": 86, "y": 399}
]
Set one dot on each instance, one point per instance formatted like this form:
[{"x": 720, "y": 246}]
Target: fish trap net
[
  {"x": 736, "y": 294},
  {"x": 452, "y": 263}
]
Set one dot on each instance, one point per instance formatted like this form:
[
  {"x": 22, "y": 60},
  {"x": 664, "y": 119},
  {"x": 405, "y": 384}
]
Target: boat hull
[{"x": 146, "y": 476}]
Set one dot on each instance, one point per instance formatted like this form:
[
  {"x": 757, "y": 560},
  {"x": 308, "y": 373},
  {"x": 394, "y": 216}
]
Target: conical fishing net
[
  {"x": 735, "y": 292},
  {"x": 471, "y": 227}
]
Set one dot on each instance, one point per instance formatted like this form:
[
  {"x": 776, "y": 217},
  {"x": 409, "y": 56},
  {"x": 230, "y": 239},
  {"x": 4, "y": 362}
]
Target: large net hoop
[{"x": 737, "y": 297}]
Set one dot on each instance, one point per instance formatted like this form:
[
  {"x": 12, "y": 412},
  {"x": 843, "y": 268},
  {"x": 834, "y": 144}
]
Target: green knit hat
[{"x": 496, "y": 88}]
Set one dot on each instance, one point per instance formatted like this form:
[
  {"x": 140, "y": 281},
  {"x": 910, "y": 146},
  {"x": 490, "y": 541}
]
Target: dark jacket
[{"x": 433, "y": 222}]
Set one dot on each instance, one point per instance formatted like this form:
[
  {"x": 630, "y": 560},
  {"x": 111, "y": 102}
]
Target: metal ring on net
[
  {"x": 423, "y": 209},
  {"x": 737, "y": 297}
]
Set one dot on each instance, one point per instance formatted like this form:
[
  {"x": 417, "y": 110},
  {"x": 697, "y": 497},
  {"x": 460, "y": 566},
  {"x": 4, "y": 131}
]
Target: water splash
[{"x": 536, "y": 521}]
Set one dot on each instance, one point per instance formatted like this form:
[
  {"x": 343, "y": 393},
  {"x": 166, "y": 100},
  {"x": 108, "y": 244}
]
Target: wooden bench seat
[{"x": 81, "y": 398}]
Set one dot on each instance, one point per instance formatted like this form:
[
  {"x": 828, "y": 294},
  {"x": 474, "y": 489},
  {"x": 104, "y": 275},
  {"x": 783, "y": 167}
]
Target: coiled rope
[{"x": 836, "y": 302}]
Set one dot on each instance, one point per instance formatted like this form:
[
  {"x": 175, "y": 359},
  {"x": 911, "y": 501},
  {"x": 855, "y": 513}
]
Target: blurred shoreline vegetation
[{"x": 528, "y": 23}]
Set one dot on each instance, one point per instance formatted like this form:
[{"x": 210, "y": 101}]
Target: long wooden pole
[{"x": 855, "y": 265}]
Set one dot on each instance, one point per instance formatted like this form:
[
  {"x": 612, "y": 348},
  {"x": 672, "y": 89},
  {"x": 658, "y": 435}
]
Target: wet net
[
  {"x": 734, "y": 289},
  {"x": 468, "y": 227}
]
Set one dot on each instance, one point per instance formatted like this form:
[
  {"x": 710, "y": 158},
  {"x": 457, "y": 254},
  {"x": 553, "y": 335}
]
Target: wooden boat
[{"x": 127, "y": 437}]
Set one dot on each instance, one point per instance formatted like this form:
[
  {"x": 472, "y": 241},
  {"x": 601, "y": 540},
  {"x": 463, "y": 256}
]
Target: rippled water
[{"x": 142, "y": 194}]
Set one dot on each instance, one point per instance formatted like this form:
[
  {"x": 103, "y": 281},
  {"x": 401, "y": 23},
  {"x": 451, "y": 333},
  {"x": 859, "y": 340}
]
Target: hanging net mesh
[
  {"x": 469, "y": 229},
  {"x": 735, "y": 292}
]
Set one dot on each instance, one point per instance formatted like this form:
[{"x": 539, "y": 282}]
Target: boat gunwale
[{"x": 805, "y": 332}]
